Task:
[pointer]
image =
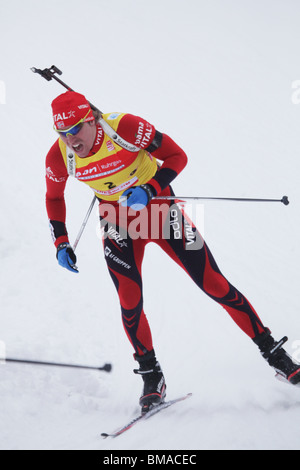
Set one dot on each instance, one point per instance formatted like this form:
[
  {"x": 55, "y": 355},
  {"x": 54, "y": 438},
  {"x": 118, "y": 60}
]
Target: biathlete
[{"x": 126, "y": 162}]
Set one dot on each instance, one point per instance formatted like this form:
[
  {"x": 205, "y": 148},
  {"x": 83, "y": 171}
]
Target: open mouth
[{"x": 77, "y": 148}]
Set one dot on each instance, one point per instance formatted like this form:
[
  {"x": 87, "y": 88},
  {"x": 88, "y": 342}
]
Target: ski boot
[
  {"x": 278, "y": 358},
  {"x": 154, "y": 390}
]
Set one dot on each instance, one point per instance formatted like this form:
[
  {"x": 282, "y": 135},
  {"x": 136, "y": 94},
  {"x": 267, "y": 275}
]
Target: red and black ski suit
[{"x": 123, "y": 247}]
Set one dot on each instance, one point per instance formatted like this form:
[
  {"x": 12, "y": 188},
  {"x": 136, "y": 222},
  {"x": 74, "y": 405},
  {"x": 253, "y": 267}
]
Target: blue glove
[
  {"x": 66, "y": 257},
  {"x": 137, "y": 197}
]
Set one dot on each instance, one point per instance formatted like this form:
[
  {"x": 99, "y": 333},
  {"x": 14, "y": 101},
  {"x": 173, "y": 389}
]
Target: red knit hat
[{"x": 69, "y": 108}]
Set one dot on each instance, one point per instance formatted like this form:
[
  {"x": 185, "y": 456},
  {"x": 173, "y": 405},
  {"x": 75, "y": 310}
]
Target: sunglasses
[{"x": 73, "y": 130}]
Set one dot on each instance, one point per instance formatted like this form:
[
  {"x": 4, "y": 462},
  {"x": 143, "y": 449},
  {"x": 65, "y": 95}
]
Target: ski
[{"x": 142, "y": 417}]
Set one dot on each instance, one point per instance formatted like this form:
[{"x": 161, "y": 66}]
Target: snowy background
[{"x": 218, "y": 77}]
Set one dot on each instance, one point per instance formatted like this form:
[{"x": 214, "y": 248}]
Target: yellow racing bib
[{"x": 112, "y": 169}]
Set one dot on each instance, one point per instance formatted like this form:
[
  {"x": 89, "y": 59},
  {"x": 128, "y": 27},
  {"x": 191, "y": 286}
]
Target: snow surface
[{"x": 218, "y": 77}]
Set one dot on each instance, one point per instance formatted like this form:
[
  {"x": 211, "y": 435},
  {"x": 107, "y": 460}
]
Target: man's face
[{"x": 83, "y": 141}]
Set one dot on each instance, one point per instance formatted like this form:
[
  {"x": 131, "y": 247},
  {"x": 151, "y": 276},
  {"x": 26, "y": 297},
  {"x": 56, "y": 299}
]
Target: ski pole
[
  {"x": 284, "y": 199},
  {"x": 50, "y": 74},
  {"x": 106, "y": 367},
  {"x": 84, "y": 223}
]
